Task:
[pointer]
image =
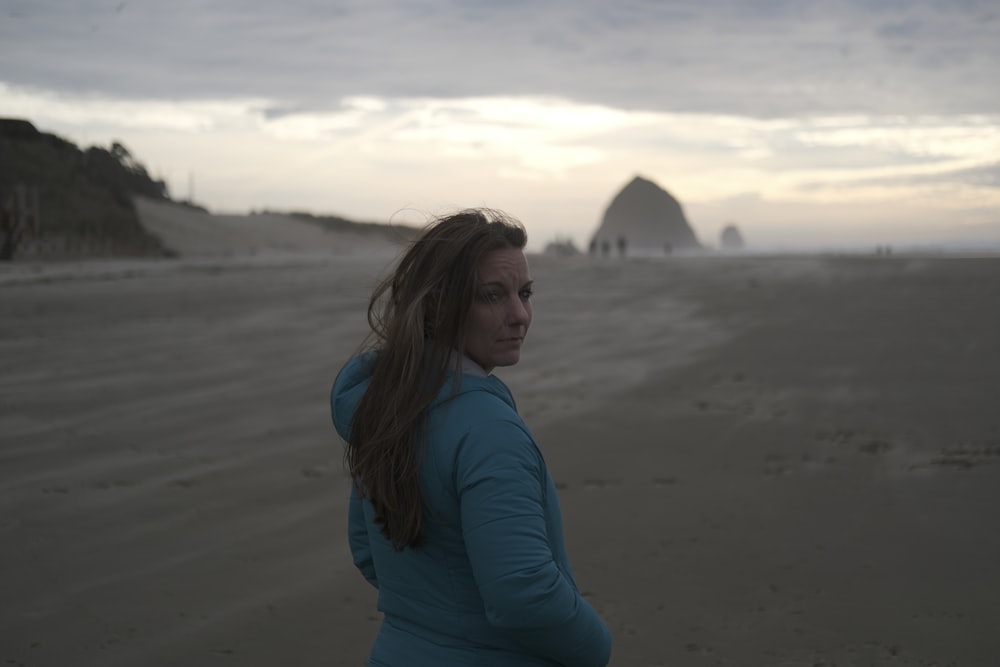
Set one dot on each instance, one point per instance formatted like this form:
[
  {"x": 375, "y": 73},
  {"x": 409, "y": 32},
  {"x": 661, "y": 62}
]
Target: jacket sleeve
[
  {"x": 357, "y": 534},
  {"x": 501, "y": 482}
]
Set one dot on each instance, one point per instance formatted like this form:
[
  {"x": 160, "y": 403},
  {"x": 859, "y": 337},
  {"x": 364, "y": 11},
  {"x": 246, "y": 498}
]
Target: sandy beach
[{"x": 772, "y": 461}]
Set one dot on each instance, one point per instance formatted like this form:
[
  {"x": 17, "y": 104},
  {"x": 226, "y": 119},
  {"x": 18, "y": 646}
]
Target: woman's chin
[{"x": 508, "y": 359}]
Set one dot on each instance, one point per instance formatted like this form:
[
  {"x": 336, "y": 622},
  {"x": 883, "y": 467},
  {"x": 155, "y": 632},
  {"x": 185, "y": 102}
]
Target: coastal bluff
[{"x": 60, "y": 202}]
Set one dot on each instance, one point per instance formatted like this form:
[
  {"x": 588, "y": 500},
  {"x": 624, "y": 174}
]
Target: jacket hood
[{"x": 348, "y": 388}]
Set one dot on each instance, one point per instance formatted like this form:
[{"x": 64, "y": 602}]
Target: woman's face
[{"x": 501, "y": 311}]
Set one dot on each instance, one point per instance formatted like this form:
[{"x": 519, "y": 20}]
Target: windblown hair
[{"x": 418, "y": 317}]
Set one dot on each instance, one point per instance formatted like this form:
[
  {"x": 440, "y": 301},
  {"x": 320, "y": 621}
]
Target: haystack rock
[
  {"x": 643, "y": 217},
  {"x": 731, "y": 238}
]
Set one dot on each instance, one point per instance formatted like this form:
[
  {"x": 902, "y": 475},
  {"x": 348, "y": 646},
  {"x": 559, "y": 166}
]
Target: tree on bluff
[
  {"x": 117, "y": 169},
  {"x": 125, "y": 158}
]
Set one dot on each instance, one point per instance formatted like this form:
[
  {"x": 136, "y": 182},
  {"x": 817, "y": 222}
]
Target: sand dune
[
  {"x": 193, "y": 233},
  {"x": 761, "y": 461}
]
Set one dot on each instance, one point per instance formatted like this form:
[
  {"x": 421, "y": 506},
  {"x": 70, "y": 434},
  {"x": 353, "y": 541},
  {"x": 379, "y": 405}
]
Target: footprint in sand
[
  {"x": 598, "y": 483},
  {"x": 965, "y": 455},
  {"x": 874, "y": 447},
  {"x": 107, "y": 486}
]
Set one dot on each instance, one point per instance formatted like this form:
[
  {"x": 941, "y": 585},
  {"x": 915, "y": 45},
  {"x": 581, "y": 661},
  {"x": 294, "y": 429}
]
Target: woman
[{"x": 454, "y": 517}]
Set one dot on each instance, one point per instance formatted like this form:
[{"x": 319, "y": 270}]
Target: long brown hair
[{"x": 418, "y": 317}]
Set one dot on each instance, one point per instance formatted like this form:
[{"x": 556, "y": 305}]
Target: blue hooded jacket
[{"x": 492, "y": 584}]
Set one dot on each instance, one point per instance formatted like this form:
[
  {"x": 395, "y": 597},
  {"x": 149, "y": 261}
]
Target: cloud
[
  {"x": 762, "y": 58},
  {"x": 707, "y": 156},
  {"x": 908, "y": 28},
  {"x": 982, "y": 178},
  {"x": 78, "y": 111},
  {"x": 987, "y": 176}
]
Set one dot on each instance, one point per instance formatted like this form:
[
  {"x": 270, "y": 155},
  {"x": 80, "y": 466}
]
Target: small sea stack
[{"x": 731, "y": 238}]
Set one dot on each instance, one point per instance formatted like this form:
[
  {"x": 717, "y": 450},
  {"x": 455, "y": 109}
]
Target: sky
[{"x": 805, "y": 123}]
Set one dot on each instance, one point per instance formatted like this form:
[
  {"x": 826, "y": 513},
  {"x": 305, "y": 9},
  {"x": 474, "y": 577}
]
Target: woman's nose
[{"x": 519, "y": 313}]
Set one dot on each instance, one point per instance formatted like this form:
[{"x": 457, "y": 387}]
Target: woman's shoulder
[
  {"x": 482, "y": 412},
  {"x": 479, "y": 397}
]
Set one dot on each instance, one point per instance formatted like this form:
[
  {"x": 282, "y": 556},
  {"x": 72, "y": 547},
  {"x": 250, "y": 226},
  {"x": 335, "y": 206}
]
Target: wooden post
[{"x": 36, "y": 212}]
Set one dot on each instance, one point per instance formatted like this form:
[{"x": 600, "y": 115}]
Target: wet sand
[{"x": 762, "y": 461}]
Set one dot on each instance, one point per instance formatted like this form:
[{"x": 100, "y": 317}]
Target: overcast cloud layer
[
  {"x": 747, "y": 57},
  {"x": 834, "y": 121}
]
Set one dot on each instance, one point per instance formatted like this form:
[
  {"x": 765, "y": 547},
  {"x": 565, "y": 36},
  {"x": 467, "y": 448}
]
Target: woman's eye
[
  {"x": 526, "y": 293},
  {"x": 491, "y": 297}
]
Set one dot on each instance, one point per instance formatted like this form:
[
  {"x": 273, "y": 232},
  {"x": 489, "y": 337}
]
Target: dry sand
[
  {"x": 762, "y": 461},
  {"x": 192, "y": 233}
]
